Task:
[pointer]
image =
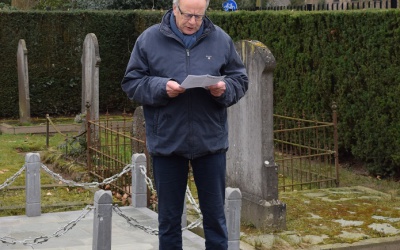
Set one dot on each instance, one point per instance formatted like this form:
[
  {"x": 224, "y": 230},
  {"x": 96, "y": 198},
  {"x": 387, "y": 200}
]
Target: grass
[
  {"x": 56, "y": 120},
  {"x": 39, "y": 121},
  {"x": 318, "y": 214},
  {"x": 12, "y": 150},
  {"x": 360, "y": 197},
  {"x": 301, "y": 209}
]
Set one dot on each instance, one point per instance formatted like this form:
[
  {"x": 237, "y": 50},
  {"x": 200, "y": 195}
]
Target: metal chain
[
  {"x": 147, "y": 179},
  {"x": 192, "y": 201},
  {"x": 128, "y": 219},
  {"x": 12, "y": 178},
  {"x": 54, "y": 126},
  {"x": 108, "y": 180},
  {"x": 41, "y": 239},
  {"x": 69, "y": 226},
  {"x": 195, "y": 223}
]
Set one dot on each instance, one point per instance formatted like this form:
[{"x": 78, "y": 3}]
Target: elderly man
[{"x": 186, "y": 125}]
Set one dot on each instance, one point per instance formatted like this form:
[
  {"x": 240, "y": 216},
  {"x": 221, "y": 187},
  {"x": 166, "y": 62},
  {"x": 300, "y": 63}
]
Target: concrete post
[
  {"x": 102, "y": 220},
  {"x": 32, "y": 185},
  {"x": 233, "y": 204},
  {"x": 139, "y": 187}
]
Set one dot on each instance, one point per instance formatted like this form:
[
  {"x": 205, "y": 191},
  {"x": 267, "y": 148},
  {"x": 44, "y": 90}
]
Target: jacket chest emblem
[{"x": 208, "y": 57}]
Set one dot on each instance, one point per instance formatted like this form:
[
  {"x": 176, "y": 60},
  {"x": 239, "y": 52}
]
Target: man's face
[{"x": 189, "y": 15}]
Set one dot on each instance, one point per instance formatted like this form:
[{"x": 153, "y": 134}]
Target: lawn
[
  {"x": 13, "y": 149},
  {"x": 55, "y": 196}
]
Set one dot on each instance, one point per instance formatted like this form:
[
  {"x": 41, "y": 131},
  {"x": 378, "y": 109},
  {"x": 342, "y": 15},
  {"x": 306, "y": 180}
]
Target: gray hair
[{"x": 176, "y": 2}]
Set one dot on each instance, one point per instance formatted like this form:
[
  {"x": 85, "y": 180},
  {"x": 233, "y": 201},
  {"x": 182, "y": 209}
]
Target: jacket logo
[{"x": 208, "y": 57}]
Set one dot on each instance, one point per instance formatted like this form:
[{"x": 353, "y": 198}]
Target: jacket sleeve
[
  {"x": 236, "y": 79},
  {"x": 139, "y": 85}
]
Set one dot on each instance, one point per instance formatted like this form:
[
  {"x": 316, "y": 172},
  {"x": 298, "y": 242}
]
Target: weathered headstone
[
  {"x": 139, "y": 131},
  {"x": 23, "y": 83},
  {"x": 90, "y": 76},
  {"x": 250, "y": 159}
]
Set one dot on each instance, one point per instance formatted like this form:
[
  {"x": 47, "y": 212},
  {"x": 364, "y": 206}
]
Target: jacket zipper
[{"x": 191, "y": 141}]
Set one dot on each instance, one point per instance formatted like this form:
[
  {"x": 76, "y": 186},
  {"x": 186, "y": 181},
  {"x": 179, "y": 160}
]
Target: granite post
[
  {"x": 102, "y": 220},
  {"x": 139, "y": 186},
  {"x": 233, "y": 204},
  {"x": 32, "y": 185}
]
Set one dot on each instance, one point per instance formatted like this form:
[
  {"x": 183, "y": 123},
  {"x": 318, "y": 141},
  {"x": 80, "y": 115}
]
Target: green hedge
[
  {"x": 54, "y": 41},
  {"x": 350, "y": 57}
]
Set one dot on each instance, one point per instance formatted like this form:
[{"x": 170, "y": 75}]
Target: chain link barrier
[
  {"x": 41, "y": 239},
  {"x": 192, "y": 201},
  {"x": 131, "y": 221},
  {"x": 54, "y": 126},
  {"x": 147, "y": 179},
  {"x": 108, "y": 180},
  {"x": 10, "y": 180}
]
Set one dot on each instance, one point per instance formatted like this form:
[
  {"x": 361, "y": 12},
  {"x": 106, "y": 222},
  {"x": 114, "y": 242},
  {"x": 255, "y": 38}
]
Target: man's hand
[
  {"x": 174, "y": 89},
  {"x": 217, "y": 89}
]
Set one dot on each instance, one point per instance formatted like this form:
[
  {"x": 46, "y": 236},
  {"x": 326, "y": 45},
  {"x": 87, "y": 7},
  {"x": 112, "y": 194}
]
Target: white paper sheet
[{"x": 193, "y": 81}]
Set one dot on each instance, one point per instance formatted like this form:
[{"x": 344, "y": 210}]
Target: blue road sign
[{"x": 229, "y": 5}]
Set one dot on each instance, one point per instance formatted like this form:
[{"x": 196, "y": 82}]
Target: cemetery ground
[{"x": 363, "y": 208}]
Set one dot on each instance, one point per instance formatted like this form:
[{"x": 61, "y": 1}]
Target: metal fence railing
[
  {"x": 306, "y": 153},
  {"x": 110, "y": 145},
  {"x": 339, "y": 5}
]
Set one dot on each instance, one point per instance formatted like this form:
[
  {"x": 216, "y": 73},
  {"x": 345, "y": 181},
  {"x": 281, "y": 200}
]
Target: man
[{"x": 189, "y": 125}]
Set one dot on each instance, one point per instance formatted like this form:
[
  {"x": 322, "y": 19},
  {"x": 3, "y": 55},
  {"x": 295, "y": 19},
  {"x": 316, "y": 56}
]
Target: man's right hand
[{"x": 174, "y": 89}]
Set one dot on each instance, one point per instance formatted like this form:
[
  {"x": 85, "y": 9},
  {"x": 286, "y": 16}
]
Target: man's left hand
[{"x": 217, "y": 89}]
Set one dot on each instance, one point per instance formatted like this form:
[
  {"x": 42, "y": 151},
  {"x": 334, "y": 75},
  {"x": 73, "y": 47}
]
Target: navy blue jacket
[{"x": 194, "y": 123}]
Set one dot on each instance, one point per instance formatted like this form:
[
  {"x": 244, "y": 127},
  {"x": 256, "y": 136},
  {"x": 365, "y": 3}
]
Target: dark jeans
[{"x": 170, "y": 175}]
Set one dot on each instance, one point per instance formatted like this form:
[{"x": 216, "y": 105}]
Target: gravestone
[
  {"x": 23, "y": 83},
  {"x": 250, "y": 158},
  {"x": 139, "y": 131},
  {"x": 90, "y": 76}
]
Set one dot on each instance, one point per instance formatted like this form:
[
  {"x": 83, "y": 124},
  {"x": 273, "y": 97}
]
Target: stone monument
[
  {"x": 250, "y": 158},
  {"x": 90, "y": 76},
  {"x": 23, "y": 83}
]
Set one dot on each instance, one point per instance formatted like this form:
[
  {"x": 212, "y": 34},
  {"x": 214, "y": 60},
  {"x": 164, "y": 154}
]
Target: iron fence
[
  {"x": 306, "y": 152},
  {"x": 110, "y": 145},
  {"x": 336, "y": 5}
]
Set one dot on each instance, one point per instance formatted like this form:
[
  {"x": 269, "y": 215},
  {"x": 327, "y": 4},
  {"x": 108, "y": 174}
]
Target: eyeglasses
[{"x": 188, "y": 16}]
